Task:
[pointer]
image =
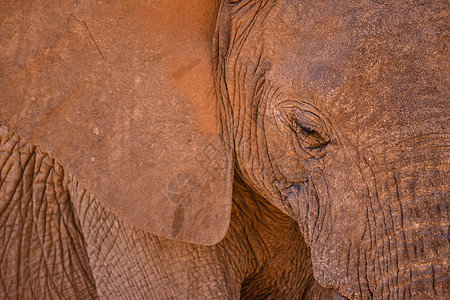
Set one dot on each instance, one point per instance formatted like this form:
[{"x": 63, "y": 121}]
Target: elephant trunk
[
  {"x": 378, "y": 224},
  {"x": 410, "y": 244}
]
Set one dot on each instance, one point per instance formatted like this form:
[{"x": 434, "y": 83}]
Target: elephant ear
[{"x": 122, "y": 94}]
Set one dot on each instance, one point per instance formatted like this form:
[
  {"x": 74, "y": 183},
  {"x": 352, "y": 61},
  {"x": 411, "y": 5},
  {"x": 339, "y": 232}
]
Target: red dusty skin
[
  {"x": 395, "y": 243},
  {"x": 337, "y": 296}
]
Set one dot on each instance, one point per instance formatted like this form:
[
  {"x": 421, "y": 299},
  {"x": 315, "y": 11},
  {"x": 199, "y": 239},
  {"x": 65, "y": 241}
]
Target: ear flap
[{"x": 122, "y": 94}]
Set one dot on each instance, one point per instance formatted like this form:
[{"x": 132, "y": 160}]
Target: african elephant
[{"x": 224, "y": 149}]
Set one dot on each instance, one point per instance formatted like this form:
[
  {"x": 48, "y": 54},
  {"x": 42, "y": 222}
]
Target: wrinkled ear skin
[
  {"x": 221, "y": 44},
  {"x": 123, "y": 95}
]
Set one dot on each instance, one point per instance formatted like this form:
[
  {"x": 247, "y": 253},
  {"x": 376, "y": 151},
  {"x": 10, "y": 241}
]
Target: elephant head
[
  {"x": 340, "y": 119},
  {"x": 337, "y": 114}
]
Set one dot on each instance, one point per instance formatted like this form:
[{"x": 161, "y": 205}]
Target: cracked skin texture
[
  {"x": 313, "y": 125},
  {"x": 64, "y": 245}
]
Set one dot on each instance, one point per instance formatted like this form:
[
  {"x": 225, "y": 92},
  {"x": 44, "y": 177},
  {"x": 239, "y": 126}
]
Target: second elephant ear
[{"x": 122, "y": 94}]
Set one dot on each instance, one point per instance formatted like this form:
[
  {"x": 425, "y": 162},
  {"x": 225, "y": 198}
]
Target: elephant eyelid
[{"x": 306, "y": 122}]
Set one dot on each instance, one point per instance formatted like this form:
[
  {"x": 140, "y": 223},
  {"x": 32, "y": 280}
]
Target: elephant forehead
[
  {"x": 323, "y": 45},
  {"x": 375, "y": 67}
]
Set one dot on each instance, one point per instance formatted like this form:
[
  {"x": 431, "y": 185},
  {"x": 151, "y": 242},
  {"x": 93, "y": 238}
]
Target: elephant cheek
[
  {"x": 331, "y": 210},
  {"x": 332, "y": 201},
  {"x": 338, "y": 227}
]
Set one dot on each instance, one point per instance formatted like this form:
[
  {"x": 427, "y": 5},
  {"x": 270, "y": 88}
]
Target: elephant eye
[
  {"x": 306, "y": 121},
  {"x": 309, "y": 130}
]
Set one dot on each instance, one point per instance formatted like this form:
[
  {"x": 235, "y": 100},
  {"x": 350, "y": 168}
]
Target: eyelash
[{"x": 308, "y": 125}]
